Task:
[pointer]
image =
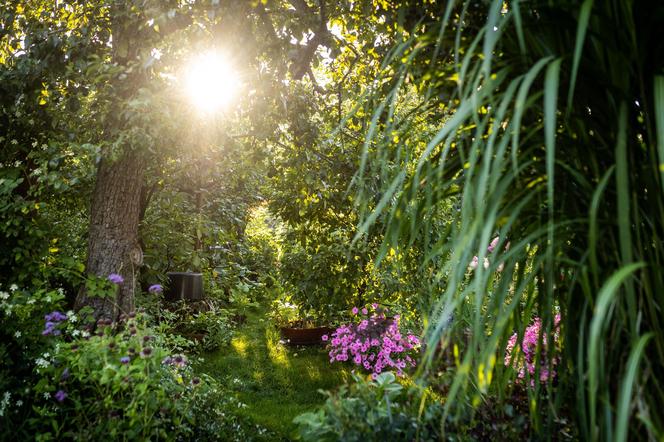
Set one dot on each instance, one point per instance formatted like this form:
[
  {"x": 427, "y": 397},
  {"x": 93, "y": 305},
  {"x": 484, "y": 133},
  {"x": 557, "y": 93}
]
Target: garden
[{"x": 367, "y": 220}]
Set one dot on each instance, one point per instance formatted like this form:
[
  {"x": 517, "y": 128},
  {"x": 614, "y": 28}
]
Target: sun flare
[{"x": 211, "y": 82}]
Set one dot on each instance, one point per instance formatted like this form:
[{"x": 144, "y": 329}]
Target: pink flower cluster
[
  {"x": 529, "y": 348},
  {"x": 492, "y": 246},
  {"x": 373, "y": 342}
]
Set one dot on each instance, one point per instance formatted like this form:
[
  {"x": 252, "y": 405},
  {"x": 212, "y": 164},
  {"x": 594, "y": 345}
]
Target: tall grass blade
[
  {"x": 601, "y": 311},
  {"x": 627, "y": 385}
]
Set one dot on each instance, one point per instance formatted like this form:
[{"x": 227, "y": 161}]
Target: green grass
[{"x": 276, "y": 382}]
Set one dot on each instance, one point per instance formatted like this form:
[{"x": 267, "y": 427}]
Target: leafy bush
[
  {"x": 119, "y": 382},
  {"x": 211, "y": 329},
  {"x": 374, "y": 342},
  {"x": 381, "y": 409},
  {"x": 21, "y": 344},
  {"x": 63, "y": 378}
]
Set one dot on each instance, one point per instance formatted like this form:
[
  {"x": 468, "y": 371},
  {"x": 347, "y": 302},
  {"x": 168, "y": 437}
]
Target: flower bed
[
  {"x": 373, "y": 342},
  {"x": 532, "y": 354}
]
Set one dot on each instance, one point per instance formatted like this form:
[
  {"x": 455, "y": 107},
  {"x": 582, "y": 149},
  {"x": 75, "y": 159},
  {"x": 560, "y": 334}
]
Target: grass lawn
[{"x": 276, "y": 382}]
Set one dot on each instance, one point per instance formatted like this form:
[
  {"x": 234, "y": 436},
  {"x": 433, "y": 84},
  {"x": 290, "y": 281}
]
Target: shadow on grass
[{"x": 274, "y": 381}]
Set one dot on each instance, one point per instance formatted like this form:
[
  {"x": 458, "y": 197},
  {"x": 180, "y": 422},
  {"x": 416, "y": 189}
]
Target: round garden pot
[{"x": 305, "y": 336}]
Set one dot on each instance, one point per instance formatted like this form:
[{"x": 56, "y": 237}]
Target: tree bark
[
  {"x": 115, "y": 213},
  {"x": 113, "y": 245}
]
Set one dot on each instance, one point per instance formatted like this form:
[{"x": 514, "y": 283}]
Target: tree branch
[{"x": 321, "y": 35}]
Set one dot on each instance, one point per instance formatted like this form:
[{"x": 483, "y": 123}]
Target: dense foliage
[
  {"x": 381, "y": 409},
  {"x": 550, "y": 135},
  {"x": 489, "y": 172}
]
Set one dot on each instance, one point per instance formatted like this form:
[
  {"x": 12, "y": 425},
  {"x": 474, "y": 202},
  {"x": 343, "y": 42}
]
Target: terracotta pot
[{"x": 305, "y": 336}]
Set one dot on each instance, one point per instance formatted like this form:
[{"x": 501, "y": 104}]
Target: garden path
[{"x": 275, "y": 382}]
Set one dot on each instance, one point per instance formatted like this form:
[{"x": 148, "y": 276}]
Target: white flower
[
  {"x": 4, "y": 403},
  {"x": 47, "y": 395},
  {"x": 19, "y": 403},
  {"x": 473, "y": 263},
  {"x": 4, "y": 295},
  {"x": 17, "y": 334},
  {"x": 41, "y": 363},
  {"x": 30, "y": 301},
  {"x": 85, "y": 333},
  {"x": 13, "y": 287},
  {"x": 75, "y": 332}
]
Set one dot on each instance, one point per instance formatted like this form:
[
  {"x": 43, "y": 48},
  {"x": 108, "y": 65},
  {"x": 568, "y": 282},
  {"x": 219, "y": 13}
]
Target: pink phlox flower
[
  {"x": 474, "y": 262},
  {"x": 493, "y": 244}
]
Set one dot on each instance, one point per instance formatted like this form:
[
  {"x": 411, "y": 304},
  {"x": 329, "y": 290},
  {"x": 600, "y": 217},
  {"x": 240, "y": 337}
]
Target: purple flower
[
  {"x": 65, "y": 374},
  {"x": 60, "y": 395},
  {"x": 355, "y": 310},
  {"x": 125, "y": 360},
  {"x": 55, "y": 316},
  {"x": 325, "y": 337},
  {"x": 179, "y": 361},
  {"x": 155, "y": 289},
  {"x": 146, "y": 352},
  {"x": 115, "y": 278},
  {"x": 365, "y": 311}
]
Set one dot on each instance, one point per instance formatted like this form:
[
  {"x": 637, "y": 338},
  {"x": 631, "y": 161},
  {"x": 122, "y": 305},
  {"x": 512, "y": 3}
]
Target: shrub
[
  {"x": 381, "y": 409},
  {"x": 21, "y": 344},
  {"x": 120, "y": 382},
  {"x": 60, "y": 379},
  {"x": 375, "y": 343},
  {"x": 215, "y": 327}
]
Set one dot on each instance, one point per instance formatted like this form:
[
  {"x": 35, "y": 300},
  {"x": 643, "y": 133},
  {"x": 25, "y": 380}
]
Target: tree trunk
[
  {"x": 115, "y": 213},
  {"x": 113, "y": 245}
]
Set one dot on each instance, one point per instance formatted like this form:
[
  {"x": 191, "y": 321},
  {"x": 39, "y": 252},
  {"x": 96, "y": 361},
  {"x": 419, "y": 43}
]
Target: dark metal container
[{"x": 185, "y": 286}]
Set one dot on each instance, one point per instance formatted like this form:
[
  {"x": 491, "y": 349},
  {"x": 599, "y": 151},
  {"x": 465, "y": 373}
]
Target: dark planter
[
  {"x": 305, "y": 336},
  {"x": 184, "y": 286}
]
